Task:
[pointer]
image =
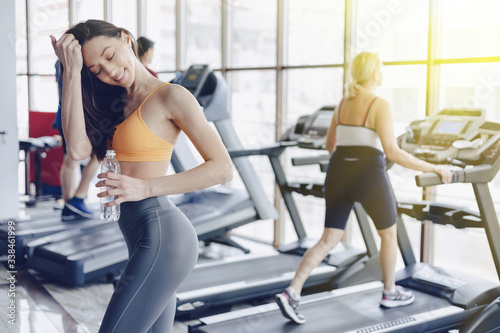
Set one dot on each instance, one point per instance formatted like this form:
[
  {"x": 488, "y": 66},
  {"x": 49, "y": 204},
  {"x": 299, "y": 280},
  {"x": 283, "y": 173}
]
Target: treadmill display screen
[
  {"x": 193, "y": 76},
  {"x": 449, "y": 127},
  {"x": 322, "y": 120},
  {"x": 192, "y": 79}
]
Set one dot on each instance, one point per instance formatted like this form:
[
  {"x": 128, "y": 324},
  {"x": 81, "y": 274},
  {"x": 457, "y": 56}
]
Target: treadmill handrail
[
  {"x": 441, "y": 214},
  {"x": 308, "y": 160},
  {"x": 272, "y": 150},
  {"x": 431, "y": 178},
  {"x": 478, "y": 174}
]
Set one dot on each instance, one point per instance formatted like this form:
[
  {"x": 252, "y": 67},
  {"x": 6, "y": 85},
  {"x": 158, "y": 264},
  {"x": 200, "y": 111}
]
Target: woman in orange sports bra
[{"x": 110, "y": 100}]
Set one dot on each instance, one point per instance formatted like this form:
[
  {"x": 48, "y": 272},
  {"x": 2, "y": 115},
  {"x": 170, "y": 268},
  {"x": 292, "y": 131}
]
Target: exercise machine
[
  {"x": 35, "y": 149},
  {"x": 215, "y": 211},
  {"x": 214, "y": 285},
  {"x": 487, "y": 320},
  {"x": 445, "y": 300},
  {"x": 34, "y": 227},
  {"x": 42, "y": 159}
]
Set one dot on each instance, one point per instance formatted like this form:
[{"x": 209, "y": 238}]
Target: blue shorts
[{"x": 358, "y": 174}]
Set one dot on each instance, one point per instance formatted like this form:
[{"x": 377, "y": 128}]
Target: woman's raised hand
[{"x": 69, "y": 52}]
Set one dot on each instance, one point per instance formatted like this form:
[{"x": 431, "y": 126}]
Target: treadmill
[
  {"x": 445, "y": 299},
  {"x": 212, "y": 286},
  {"x": 487, "y": 320},
  {"x": 215, "y": 211},
  {"x": 34, "y": 227}
]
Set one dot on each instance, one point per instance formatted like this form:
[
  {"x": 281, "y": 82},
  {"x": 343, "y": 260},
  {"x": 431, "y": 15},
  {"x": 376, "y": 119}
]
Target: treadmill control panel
[
  {"x": 310, "y": 130},
  {"x": 454, "y": 134}
]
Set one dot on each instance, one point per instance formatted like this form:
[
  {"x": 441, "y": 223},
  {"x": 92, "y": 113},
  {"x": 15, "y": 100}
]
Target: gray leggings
[{"x": 163, "y": 249}]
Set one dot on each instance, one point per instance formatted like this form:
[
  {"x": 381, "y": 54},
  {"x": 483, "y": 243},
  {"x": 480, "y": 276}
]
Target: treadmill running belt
[
  {"x": 359, "y": 312},
  {"x": 60, "y": 251}
]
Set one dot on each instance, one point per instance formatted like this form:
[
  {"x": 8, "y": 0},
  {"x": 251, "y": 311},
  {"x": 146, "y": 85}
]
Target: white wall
[{"x": 9, "y": 146}]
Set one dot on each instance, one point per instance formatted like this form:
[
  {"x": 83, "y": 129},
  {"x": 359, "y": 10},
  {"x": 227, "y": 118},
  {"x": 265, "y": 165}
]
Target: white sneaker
[
  {"x": 396, "y": 298},
  {"x": 290, "y": 307}
]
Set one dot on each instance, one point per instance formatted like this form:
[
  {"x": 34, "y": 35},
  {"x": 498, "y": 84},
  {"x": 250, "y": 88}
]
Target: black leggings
[
  {"x": 358, "y": 174},
  {"x": 163, "y": 249}
]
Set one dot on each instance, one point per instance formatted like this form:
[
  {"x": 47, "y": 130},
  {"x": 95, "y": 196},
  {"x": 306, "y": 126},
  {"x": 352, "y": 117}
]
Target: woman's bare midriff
[{"x": 144, "y": 170}]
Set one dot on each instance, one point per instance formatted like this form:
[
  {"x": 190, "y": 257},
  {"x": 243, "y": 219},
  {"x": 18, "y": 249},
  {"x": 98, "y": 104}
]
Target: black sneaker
[
  {"x": 397, "y": 298},
  {"x": 290, "y": 307}
]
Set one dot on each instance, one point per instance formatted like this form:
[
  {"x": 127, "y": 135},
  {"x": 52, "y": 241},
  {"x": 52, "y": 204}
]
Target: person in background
[
  {"x": 74, "y": 205},
  {"x": 360, "y": 133},
  {"x": 145, "y": 52}
]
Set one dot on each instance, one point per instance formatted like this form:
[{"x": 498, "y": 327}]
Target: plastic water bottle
[{"x": 109, "y": 164}]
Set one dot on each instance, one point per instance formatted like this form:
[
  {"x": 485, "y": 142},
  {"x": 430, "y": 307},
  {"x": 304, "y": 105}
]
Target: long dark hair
[
  {"x": 103, "y": 104},
  {"x": 143, "y": 45}
]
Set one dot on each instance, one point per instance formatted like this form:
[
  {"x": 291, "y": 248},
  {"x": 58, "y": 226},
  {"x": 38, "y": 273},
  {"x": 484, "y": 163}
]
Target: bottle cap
[{"x": 110, "y": 152}]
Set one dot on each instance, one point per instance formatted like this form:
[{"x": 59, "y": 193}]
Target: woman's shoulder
[
  {"x": 176, "y": 98},
  {"x": 379, "y": 102},
  {"x": 172, "y": 90},
  {"x": 381, "y": 109},
  {"x": 366, "y": 98}
]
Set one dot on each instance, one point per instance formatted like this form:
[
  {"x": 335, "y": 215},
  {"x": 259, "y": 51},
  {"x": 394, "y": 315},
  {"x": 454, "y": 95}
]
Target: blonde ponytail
[
  {"x": 362, "y": 68},
  {"x": 353, "y": 88}
]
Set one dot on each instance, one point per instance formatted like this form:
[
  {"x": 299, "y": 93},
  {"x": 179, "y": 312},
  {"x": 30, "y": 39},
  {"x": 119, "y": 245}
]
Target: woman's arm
[
  {"x": 69, "y": 52},
  {"x": 385, "y": 130},
  {"x": 217, "y": 168},
  {"x": 331, "y": 135}
]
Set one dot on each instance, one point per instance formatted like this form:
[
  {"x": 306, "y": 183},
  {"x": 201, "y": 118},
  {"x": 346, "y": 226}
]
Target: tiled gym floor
[{"x": 42, "y": 306}]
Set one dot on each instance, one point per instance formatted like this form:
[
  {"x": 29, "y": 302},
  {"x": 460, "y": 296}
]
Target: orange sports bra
[{"x": 133, "y": 141}]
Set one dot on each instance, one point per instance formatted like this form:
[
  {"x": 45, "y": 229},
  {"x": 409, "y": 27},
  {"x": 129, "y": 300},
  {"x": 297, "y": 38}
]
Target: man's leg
[
  {"x": 67, "y": 177},
  {"x": 75, "y": 207},
  {"x": 88, "y": 174}
]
